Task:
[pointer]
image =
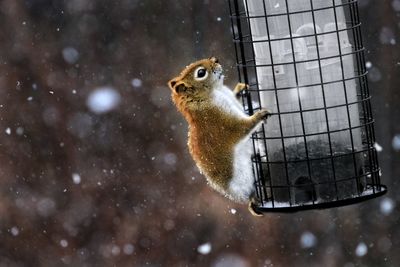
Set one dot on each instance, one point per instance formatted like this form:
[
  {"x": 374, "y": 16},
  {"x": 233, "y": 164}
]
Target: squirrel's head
[{"x": 198, "y": 78}]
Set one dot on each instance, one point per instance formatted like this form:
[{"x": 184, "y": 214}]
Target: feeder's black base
[{"x": 322, "y": 205}]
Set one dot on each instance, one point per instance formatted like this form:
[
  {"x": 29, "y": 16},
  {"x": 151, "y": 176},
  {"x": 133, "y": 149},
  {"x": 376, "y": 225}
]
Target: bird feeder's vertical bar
[
  {"x": 298, "y": 96},
  {"x": 243, "y": 57},
  {"x": 235, "y": 13},
  {"x": 324, "y": 99},
  {"x": 258, "y": 173},
  {"x": 261, "y": 176},
  {"x": 234, "y": 38},
  {"x": 253, "y": 53},
  {"x": 270, "y": 184},
  {"x": 346, "y": 99}
]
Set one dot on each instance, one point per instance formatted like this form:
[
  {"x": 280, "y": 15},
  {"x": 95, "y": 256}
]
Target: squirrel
[{"x": 219, "y": 129}]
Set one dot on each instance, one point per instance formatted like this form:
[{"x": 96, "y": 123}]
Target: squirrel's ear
[
  {"x": 172, "y": 83},
  {"x": 214, "y": 59},
  {"x": 177, "y": 88}
]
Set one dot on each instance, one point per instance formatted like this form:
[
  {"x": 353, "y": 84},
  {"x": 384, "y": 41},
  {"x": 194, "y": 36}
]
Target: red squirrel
[{"x": 219, "y": 129}]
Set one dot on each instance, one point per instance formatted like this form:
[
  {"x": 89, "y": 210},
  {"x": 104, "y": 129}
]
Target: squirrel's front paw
[
  {"x": 264, "y": 114},
  {"x": 240, "y": 87}
]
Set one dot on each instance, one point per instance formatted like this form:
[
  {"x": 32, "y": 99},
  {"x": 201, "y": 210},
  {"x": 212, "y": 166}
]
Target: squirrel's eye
[{"x": 200, "y": 74}]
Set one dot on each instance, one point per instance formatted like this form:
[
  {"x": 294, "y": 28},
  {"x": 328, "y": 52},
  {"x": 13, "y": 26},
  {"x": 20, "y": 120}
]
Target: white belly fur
[
  {"x": 224, "y": 98},
  {"x": 241, "y": 185}
]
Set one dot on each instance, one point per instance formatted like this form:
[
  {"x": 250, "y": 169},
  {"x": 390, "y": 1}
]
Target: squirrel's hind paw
[{"x": 253, "y": 210}]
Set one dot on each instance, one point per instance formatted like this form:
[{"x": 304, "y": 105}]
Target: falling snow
[
  {"x": 115, "y": 250},
  {"x": 14, "y": 231},
  {"x": 204, "y": 248},
  {"x": 136, "y": 83},
  {"x": 361, "y": 249},
  {"x": 308, "y": 240},
  {"x": 76, "y": 178},
  {"x": 128, "y": 249},
  {"x": 386, "y": 206},
  {"x": 70, "y": 54},
  {"x": 378, "y": 147},
  {"x": 396, "y": 142},
  {"x": 19, "y": 131},
  {"x": 64, "y": 243},
  {"x": 103, "y": 100}
]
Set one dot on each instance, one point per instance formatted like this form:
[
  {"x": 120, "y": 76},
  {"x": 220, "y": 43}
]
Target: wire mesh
[{"x": 304, "y": 60}]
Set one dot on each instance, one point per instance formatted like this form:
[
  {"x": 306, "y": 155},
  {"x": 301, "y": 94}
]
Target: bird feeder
[{"x": 304, "y": 61}]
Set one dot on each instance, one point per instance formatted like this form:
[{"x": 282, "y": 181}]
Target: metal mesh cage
[{"x": 304, "y": 61}]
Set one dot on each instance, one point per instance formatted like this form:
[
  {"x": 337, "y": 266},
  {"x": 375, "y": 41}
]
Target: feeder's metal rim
[
  {"x": 324, "y": 205},
  {"x": 236, "y": 16}
]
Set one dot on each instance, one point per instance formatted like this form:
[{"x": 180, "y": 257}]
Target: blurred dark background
[{"x": 94, "y": 169}]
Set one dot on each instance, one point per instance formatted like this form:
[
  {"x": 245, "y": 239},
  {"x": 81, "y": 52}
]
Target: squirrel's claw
[
  {"x": 253, "y": 203},
  {"x": 265, "y": 114},
  {"x": 253, "y": 211},
  {"x": 268, "y": 113}
]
